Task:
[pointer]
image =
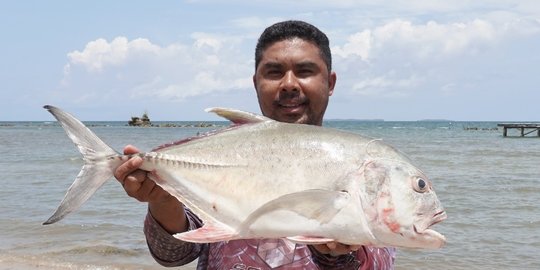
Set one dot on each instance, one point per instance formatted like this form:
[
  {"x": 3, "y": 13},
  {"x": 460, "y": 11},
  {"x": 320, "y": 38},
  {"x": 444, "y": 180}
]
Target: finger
[
  {"x": 354, "y": 247},
  {"x": 134, "y": 182},
  {"x": 339, "y": 249},
  {"x": 130, "y": 150},
  {"x": 138, "y": 176},
  {"x": 143, "y": 190},
  {"x": 332, "y": 245},
  {"x": 147, "y": 185},
  {"x": 342, "y": 248},
  {"x": 322, "y": 248},
  {"x": 127, "y": 168}
]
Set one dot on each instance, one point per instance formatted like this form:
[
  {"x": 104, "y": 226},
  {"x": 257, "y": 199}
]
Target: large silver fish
[{"x": 265, "y": 179}]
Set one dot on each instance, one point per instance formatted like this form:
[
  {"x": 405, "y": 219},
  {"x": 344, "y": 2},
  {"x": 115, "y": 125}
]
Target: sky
[{"x": 402, "y": 60}]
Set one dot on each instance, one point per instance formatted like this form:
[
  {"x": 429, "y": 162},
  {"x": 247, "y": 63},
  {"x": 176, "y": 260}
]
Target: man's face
[{"x": 292, "y": 82}]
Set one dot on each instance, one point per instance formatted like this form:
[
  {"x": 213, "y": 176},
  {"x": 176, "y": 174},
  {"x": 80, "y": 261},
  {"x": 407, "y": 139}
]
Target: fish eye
[{"x": 420, "y": 185}]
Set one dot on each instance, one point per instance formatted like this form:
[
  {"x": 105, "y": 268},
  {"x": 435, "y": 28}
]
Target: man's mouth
[
  {"x": 291, "y": 103},
  {"x": 287, "y": 105},
  {"x": 291, "y": 108}
]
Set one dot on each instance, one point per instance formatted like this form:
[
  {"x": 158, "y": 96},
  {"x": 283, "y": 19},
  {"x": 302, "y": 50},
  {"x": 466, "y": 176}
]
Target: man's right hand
[
  {"x": 136, "y": 182},
  {"x": 165, "y": 208}
]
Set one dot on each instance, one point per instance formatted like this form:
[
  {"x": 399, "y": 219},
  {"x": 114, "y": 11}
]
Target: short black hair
[{"x": 294, "y": 29}]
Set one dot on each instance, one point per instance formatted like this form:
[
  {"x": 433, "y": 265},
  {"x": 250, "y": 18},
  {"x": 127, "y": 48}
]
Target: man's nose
[{"x": 289, "y": 82}]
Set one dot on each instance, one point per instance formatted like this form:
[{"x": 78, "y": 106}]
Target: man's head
[
  {"x": 293, "y": 75},
  {"x": 294, "y": 29}
]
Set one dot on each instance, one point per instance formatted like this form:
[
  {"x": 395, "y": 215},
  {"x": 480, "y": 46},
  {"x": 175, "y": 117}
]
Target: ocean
[{"x": 489, "y": 185}]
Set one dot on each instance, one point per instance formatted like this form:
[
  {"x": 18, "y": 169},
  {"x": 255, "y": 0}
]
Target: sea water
[{"x": 489, "y": 185}]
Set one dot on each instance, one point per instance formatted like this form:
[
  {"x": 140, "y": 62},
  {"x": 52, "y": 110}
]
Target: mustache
[{"x": 288, "y": 96}]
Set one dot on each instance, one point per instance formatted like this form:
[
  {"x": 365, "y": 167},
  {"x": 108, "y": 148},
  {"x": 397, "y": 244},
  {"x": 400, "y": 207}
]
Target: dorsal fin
[{"x": 237, "y": 116}]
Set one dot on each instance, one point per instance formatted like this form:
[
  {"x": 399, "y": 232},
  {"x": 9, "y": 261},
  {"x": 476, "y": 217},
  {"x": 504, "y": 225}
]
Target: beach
[{"x": 489, "y": 185}]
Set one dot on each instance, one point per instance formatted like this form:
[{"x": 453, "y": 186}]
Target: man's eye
[
  {"x": 305, "y": 72},
  {"x": 273, "y": 73}
]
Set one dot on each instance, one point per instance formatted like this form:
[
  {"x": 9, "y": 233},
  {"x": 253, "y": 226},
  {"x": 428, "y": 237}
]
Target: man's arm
[
  {"x": 169, "y": 251},
  {"x": 166, "y": 215},
  {"x": 165, "y": 208}
]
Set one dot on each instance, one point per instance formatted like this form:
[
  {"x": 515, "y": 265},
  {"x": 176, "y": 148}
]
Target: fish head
[{"x": 401, "y": 205}]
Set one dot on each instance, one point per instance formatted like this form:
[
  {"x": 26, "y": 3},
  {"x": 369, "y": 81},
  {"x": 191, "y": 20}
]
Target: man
[{"x": 293, "y": 80}]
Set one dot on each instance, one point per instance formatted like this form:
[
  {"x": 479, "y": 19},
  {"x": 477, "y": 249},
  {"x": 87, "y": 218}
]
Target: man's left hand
[{"x": 335, "y": 248}]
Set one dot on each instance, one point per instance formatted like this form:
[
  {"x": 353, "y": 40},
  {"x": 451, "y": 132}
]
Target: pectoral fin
[
  {"x": 208, "y": 233},
  {"x": 316, "y": 204},
  {"x": 310, "y": 240}
]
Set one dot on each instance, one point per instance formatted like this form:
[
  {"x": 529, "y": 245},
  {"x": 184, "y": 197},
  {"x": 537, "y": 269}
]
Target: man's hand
[
  {"x": 165, "y": 208},
  {"x": 136, "y": 182},
  {"x": 335, "y": 248}
]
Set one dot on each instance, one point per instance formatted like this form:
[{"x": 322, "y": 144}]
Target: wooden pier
[{"x": 525, "y": 128}]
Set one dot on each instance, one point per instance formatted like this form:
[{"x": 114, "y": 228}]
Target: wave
[
  {"x": 17, "y": 261},
  {"x": 96, "y": 257},
  {"x": 101, "y": 250}
]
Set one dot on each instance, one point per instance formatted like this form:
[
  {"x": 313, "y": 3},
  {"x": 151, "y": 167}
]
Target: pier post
[{"x": 524, "y": 128}]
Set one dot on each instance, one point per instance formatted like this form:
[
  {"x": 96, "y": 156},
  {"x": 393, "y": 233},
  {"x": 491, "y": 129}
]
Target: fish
[{"x": 260, "y": 178}]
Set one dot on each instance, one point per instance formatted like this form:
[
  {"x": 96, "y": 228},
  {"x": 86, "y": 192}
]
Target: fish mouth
[
  {"x": 435, "y": 238},
  {"x": 438, "y": 217}
]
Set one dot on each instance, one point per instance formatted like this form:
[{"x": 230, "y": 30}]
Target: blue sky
[{"x": 395, "y": 60}]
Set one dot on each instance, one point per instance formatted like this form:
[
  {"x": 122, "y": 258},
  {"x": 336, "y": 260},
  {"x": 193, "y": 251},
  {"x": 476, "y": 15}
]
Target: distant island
[{"x": 144, "y": 121}]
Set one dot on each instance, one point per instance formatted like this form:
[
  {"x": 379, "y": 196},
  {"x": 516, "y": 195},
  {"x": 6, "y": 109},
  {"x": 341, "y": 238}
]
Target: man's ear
[
  {"x": 331, "y": 83},
  {"x": 255, "y": 84}
]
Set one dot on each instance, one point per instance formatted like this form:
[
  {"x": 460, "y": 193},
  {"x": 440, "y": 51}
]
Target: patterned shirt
[{"x": 255, "y": 254}]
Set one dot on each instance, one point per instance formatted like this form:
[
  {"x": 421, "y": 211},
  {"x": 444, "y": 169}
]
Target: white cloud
[
  {"x": 357, "y": 44},
  {"x": 377, "y": 59},
  {"x": 141, "y": 69},
  {"x": 423, "y": 40},
  {"x": 400, "y": 57},
  {"x": 205, "y": 41},
  {"x": 100, "y": 53}
]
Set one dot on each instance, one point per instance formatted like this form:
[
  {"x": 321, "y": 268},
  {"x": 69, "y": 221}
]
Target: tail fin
[{"x": 98, "y": 167}]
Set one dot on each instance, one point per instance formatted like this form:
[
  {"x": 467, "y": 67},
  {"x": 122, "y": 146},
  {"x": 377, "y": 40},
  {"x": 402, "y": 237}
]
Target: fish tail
[{"x": 100, "y": 162}]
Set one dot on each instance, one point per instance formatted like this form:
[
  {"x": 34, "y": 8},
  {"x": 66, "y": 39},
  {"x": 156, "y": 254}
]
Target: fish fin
[
  {"x": 87, "y": 142},
  {"x": 237, "y": 116},
  {"x": 90, "y": 179},
  {"x": 310, "y": 240},
  {"x": 98, "y": 167},
  {"x": 209, "y": 233},
  {"x": 318, "y": 204}
]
